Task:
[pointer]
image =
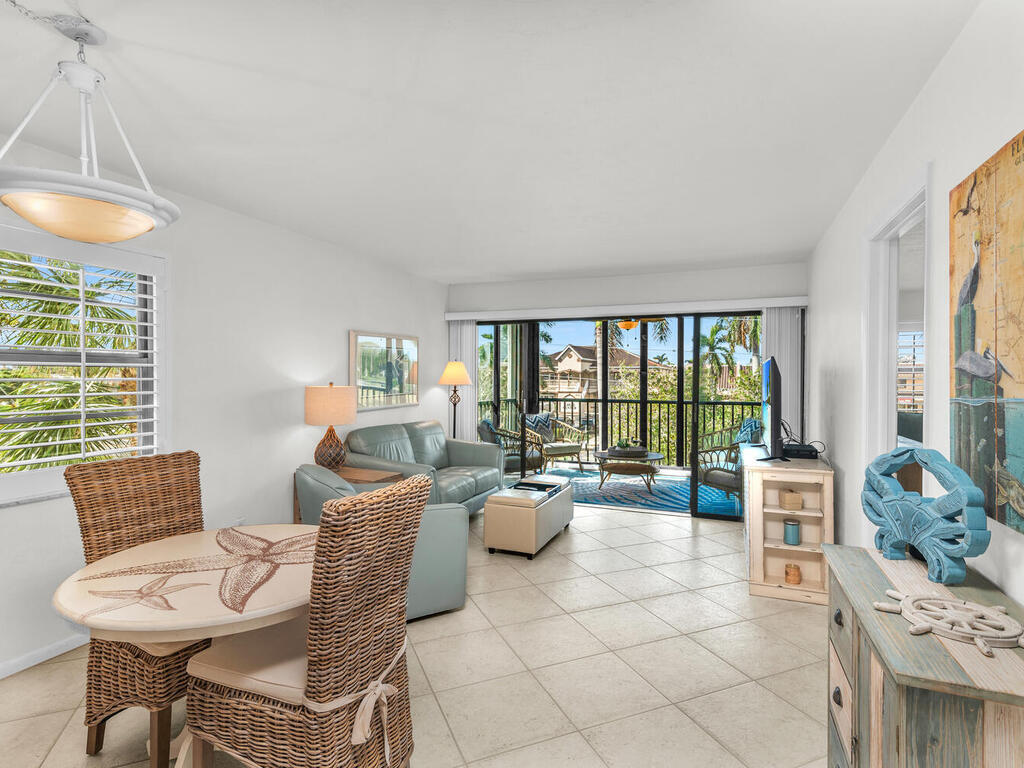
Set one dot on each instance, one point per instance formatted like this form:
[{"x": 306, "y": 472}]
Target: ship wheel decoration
[{"x": 987, "y": 627}]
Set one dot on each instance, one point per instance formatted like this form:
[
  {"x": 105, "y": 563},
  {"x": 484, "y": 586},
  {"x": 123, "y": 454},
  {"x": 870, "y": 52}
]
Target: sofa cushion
[
  {"x": 562, "y": 449},
  {"x": 429, "y": 444},
  {"x": 541, "y": 424},
  {"x": 722, "y": 478},
  {"x": 388, "y": 441},
  {"x": 456, "y": 484},
  {"x": 487, "y": 434},
  {"x": 269, "y": 661}
]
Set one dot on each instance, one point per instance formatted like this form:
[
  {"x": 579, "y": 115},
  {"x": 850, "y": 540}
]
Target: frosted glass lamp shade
[
  {"x": 79, "y": 218},
  {"x": 330, "y": 405},
  {"x": 455, "y": 375}
]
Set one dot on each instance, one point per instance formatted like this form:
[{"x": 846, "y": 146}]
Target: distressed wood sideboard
[{"x": 915, "y": 701}]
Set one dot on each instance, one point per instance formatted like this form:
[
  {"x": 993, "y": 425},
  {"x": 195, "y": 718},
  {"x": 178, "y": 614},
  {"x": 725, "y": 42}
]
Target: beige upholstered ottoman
[{"x": 523, "y": 521}]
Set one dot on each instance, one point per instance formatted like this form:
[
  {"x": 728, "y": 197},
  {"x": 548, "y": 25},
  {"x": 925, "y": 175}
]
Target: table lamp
[
  {"x": 325, "y": 407},
  {"x": 455, "y": 375}
]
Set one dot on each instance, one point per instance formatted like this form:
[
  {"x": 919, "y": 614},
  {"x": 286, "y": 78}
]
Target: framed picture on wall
[{"x": 384, "y": 368}]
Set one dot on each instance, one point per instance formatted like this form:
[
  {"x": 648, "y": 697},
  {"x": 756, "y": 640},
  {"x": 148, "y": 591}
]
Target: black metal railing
[{"x": 716, "y": 421}]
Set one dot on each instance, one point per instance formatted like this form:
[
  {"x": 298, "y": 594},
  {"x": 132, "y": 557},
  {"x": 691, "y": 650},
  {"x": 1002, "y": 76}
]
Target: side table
[{"x": 354, "y": 475}]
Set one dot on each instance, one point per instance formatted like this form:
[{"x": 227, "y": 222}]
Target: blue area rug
[{"x": 668, "y": 493}]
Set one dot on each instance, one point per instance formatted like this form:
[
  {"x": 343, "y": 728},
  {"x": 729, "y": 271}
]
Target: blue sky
[{"x": 582, "y": 332}]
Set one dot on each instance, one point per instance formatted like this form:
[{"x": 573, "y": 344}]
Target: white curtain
[
  {"x": 462, "y": 346},
  {"x": 782, "y": 338}
]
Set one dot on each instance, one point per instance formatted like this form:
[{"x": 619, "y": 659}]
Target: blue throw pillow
[
  {"x": 750, "y": 431},
  {"x": 541, "y": 424},
  {"x": 485, "y": 431}
]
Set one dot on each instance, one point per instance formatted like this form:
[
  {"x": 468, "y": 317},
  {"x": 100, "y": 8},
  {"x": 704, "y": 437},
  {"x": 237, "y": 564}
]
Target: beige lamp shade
[
  {"x": 455, "y": 375},
  {"x": 330, "y": 405},
  {"x": 79, "y": 218}
]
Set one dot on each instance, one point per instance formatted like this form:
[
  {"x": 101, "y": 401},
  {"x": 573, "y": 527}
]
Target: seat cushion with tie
[{"x": 330, "y": 690}]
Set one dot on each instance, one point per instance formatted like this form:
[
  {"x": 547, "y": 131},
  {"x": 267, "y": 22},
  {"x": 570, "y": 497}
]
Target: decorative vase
[
  {"x": 791, "y": 532},
  {"x": 793, "y": 576}
]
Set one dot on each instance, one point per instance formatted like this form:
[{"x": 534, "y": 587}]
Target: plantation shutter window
[{"x": 78, "y": 363}]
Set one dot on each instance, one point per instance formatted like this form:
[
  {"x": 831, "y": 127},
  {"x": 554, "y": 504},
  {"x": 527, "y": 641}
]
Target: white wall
[
  {"x": 255, "y": 313},
  {"x": 970, "y": 107},
  {"x": 726, "y": 284}
]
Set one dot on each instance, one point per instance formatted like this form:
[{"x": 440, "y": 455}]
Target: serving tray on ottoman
[{"x": 523, "y": 520}]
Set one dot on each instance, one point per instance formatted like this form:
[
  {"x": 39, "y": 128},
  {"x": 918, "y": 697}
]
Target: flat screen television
[{"x": 771, "y": 408}]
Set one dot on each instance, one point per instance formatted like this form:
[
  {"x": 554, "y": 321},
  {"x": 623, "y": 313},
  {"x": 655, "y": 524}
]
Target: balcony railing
[{"x": 624, "y": 421}]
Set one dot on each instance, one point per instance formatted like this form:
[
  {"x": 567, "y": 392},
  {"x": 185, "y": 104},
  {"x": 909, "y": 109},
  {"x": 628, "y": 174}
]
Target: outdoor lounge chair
[{"x": 558, "y": 439}]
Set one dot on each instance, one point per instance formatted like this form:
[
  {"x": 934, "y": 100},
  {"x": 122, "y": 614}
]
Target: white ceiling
[{"x": 474, "y": 140}]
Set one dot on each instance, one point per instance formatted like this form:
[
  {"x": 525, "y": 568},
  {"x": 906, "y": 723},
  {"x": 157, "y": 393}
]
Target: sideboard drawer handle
[
  {"x": 837, "y": 617},
  {"x": 837, "y": 696}
]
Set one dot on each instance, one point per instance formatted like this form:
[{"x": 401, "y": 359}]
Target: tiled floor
[{"x": 630, "y": 641}]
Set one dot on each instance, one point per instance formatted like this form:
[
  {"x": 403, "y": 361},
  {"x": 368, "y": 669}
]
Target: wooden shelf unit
[{"x": 767, "y": 553}]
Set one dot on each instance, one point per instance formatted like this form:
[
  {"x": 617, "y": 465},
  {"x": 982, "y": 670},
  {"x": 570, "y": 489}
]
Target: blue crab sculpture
[{"x": 944, "y": 530}]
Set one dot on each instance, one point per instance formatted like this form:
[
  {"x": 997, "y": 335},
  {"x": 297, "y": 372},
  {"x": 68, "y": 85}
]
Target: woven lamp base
[{"x": 330, "y": 452}]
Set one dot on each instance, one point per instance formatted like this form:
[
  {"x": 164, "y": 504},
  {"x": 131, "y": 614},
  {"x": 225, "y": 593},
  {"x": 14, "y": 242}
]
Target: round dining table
[{"x": 193, "y": 586}]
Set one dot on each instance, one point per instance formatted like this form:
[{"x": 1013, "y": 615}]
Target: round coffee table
[{"x": 636, "y": 466}]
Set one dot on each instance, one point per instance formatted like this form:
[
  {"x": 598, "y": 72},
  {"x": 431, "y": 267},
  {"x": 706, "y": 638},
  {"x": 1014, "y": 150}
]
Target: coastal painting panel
[{"x": 986, "y": 274}]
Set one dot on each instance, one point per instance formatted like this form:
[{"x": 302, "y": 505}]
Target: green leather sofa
[
  {"x": 462, "y": 472},
  {"x": 437, "y": 581}
]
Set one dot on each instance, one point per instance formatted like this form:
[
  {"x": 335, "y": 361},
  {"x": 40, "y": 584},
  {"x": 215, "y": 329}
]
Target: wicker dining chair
[
  {"x": 120, "y": 504},
  {"x": 331, "y": 691}
]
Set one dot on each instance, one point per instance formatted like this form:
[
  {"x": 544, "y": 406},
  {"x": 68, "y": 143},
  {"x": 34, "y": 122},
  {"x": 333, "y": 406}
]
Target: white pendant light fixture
[{"x": 82, "y": 206}]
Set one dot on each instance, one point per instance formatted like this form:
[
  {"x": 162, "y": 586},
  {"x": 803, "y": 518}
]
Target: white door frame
[{"x": 879, "y": 320}]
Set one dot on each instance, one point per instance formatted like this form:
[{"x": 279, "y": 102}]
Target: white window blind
[{"x": 78, "y": 363}]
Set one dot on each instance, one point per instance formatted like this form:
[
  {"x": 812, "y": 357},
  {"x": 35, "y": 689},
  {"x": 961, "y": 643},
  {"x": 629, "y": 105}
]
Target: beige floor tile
[
  {"x": 603, "y": 560},
  {"x": 699, "y": 546},
  {"x": 681, "y": 668},
  {"x": 701, "y": 527},
  {"x": 653, "y": 553},
  {"x": 554, "y": 567},
  {"x": 629, "y": 518},
  {"x": 695, "y": 574},
  {"x": 575, "y": 541},
  {"x": 754, "y": 651},
  {"x": 597, "y": 689},
  {"x": 513, "y": 606},
  {"x": 81, "y": 652},
  {"x": 806, "y": 688},
  {"x": 466, "y": 619},
  {"x": 821, "y": 762},
  {"x": 488, "y": 578},
  {"x": 581, "y": 594},
  {"x": 498, "y": 715},
  {"x": 806, "y": 626},
  {"x": 477, "y": 555},
  {"x": 593, "y": 523},
  {"x": 737, "y": 598},
  {"x": 450, "y": 662},
  {"x": 434, "y": 745},
  {"x": 570, "y": 751},
  {"x": 732, "y": 539},
  {"x": 26, "y": 742},
  {"x": 42, "y": 689},
  {"x": 623, "y": 625},
  {"x": 620, "y": 537},
  {"x": 418, "y": 684},
  {"x": 659, "y": 531},
  {"x": 551, "y": 641},
  {"x": 689, "y": 612},
  {"x": 639, "y": 583},
  {"x": 662, "y": 738},
  {"x": 758, "y": 727},
  {"x": 735, "y": 563},
  {"x": 123, "y": 743}
]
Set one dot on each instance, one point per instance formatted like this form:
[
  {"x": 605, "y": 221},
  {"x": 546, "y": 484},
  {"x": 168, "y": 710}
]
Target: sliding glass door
[{"x": 680, "y": 384}]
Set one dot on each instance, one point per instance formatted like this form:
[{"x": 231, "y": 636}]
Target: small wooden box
[{"x": 791, "y": 500}]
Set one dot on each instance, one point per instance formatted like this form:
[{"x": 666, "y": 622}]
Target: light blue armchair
[
  {"x": 437, "y": 581},
  {"x": 462, "y": 472}
]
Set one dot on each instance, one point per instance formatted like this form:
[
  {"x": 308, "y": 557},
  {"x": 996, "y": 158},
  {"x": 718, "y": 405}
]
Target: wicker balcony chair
[
  {"x": 121, "y": 504},
  {"x": 333, "y": 692},
  {"x": 558, "y": 439}
]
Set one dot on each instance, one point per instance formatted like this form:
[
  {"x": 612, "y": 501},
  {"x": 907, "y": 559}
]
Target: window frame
[{"x": 35, "y": 485}]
